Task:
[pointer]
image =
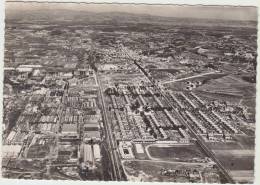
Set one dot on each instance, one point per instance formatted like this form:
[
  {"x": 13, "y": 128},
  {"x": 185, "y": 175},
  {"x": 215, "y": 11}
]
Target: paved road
[
  {"x": 190, "y": 77},
  {"x": 200, "y": 140},
  {"x": 201, "y": 143},
  {"x": 110, "y": 139},
  {"x": 158, "y": 160}
]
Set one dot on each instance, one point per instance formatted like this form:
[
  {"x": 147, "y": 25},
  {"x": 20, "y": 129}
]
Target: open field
[
  {"x": 160, "y": 75},
  {"x": 224, "y": 146},
  {"x": 251, "y": 104},
  {"x": 237, "y": 153},
  {"x": 243, "y": 176},
  {"x": 143, "y": 170},
  {"x": 235, "y": 99},
  {"x": 172, "y": 71},
  {"x": 181, "y": 85},
  {"x": 235, "y": 161},
  {"x": 236, "y": 157},
  {"x": 230, "y": 85},
  {"x": 246, "y": 142},
  {"x": 241, "y": 142}
]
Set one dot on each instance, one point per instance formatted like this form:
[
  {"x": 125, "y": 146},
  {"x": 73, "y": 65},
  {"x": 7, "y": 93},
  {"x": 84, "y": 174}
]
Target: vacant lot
[
  {"x": 151, "y": 171},
  {"x": 246, "y": 142},
  {"x": 225, "y": 146},
  {"x": 229, "y": 88},
  {"x": 235, "y": 161},
  {"x": 181, "y": 85},
  {"x": 172, "y": 71},
  {"x": 243, "y": 176},
  {"x": 237, "y": 155},
  {"x": 251, "y": 104}
]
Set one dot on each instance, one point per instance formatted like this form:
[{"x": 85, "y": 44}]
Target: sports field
[{"x": 175, "y": 152}]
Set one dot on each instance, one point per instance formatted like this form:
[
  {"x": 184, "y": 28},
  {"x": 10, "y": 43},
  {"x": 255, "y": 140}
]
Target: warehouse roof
[{"x": 69, "y": 128}]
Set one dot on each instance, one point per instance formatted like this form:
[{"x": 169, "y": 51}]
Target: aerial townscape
[{"x": 119, "y": 96}]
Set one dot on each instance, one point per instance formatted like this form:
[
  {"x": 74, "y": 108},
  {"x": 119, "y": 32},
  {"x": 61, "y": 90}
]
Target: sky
[{"x": 195, "y": 11}]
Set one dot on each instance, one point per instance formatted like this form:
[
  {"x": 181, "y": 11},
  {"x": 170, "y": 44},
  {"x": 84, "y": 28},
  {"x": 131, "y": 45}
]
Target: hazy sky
[{"x": 211, "y": 12}]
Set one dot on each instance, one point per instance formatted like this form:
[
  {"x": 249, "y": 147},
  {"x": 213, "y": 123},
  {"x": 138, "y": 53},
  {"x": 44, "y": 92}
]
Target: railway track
[
  {"x": 110, "y": 139},
  {"x": 200, "y": 140}
]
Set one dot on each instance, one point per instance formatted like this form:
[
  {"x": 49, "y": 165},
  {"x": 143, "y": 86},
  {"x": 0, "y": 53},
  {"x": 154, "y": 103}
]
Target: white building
[
  {"x": 125, "y": 149},
  {"x": 97, "y": 154}
]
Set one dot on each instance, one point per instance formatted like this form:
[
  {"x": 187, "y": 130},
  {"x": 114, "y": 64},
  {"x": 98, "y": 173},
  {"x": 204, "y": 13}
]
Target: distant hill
[{"x": 86, "y": 17}]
